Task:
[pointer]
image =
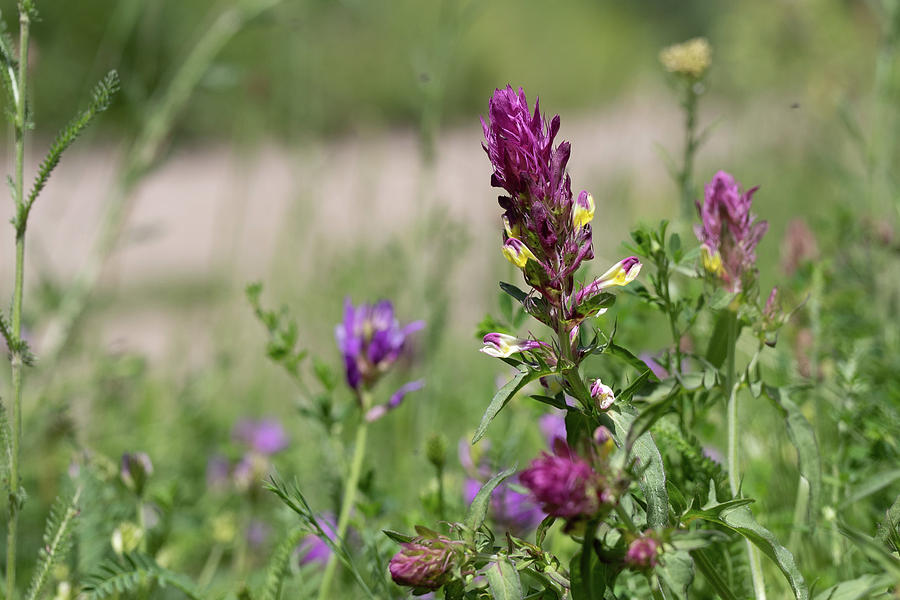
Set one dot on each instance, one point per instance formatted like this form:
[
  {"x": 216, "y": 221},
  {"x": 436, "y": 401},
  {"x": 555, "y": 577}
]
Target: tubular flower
[
  {"x": 371, "y": 340},
  {"x": 517, "y": 253},
  {"x": 602, "y": 394},
  {"x": 500, "y": 345},
  {"x": 563, "y": 483},
  {"x": 583, "y": 211},
  {"x": 376, "y": 412},
  {"x": 622, "y": 273},
  {"x": 424, "y": 562},
  {"x": 540, "y": 213},
  {"x": 728, "y": 232}
]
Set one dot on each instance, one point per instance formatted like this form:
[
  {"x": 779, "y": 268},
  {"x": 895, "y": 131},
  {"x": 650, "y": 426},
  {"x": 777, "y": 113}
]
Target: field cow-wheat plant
[{"x": 663, "y": 424}]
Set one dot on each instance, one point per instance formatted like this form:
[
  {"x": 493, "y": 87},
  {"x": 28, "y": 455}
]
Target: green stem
[
  {"x": 350, "y": 485},
  {"x": 626, "y": 519},
  {"x": 686, "y": 177},
  {"x": 441, "y": 508},
  {"x": 734, "y": 477},
  {"x": 17, "y": 361}
]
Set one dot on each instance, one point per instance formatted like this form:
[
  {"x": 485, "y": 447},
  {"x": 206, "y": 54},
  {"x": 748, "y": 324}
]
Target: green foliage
[
  {"x": 134, "y": 572},
  {"x": 279, "y": 563},
  {"x": 525, "y": 375},
  {"x": 57, "y": 541},
  {"x": 101, "y": 98}
]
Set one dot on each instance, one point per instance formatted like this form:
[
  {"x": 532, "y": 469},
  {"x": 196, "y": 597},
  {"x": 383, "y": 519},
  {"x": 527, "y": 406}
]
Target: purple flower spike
[
  {"x": 266, "y": 436},
  {"x": 728, "y": 233},
  {"x": 371, "y": 340},
  {"x": 376, "y": 412},
  {"x": 563, "y": 483}
]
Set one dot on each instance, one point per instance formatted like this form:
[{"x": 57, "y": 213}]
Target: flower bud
[
  {"x": 436, "y": 450},
  {"x": 135, "y": 470},
  {"x": 643, "y": 553},
  {"x": 500, "y": 345},
  {"x": 602, "y": 394},
  {"x": 424, "y": 563},
  {"x": 517, "y": 252},
  {"x": 583, "y": 210},
  {"x": 711, "y": 261}
]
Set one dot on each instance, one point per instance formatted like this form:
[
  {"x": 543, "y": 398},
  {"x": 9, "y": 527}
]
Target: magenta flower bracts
[
  {"x": 728, "y": 231},
  {"x": 425, "y": 562},
  {"x": 371, "y": 341},
  {"x": 547, "y": 229},
  {"x": 563, "y": 483}
]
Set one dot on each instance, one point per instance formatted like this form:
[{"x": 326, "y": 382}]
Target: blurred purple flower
[
  {"x": 728, "y": 231},
  {"x": 313, "y": 549},
  {"x": 265, "y": 436},
  {"x": 218, "y": 470},
  {"x": 564, "y": 484},
  {"x": 257, "y": 533},
  {"x": 799, "y": 246},
  {"x": 371, "y": 340},
  {"x": 655, "y": 368},
  {"x": 136, "y": 469},
  {"x": 378, "y": 411},
  {"x": 553, "y": 426},
  {"x": 509, "y": 509}
]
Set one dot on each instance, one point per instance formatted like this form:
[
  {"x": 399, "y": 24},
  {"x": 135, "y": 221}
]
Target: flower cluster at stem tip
[
  {"x": 371, "y": 340},
  {"x": 547, "y": 229}
]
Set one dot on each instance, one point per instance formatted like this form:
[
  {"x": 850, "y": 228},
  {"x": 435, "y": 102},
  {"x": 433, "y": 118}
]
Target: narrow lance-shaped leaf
[
  {"x": 478, "y": 509},
  {"x": 504, "y": 395}
]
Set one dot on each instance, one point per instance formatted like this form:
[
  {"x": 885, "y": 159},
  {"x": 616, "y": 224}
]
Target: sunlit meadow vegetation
[{"x": 687, "y": 384}]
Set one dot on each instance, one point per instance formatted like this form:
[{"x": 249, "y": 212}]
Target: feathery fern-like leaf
[
  {"x": 278, "y": 563},
  {"x": 101, "y": 98},
  {"x": 57, "y": 540},
  {"x": 133, "y": 572}
]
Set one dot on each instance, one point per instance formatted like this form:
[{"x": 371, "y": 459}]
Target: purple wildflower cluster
[
  {"x": 547, "y": 229},
  {"x": 371, "y": 341},
  {"x": 569, "y": 486},
  {"x": 728, "y": 233},
  {"x": 261, "y": 440}
]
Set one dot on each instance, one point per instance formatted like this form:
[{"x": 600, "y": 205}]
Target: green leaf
[
  {"x": 888, "y": 526},
  {"x": 653, "y": 475},
  {"x": 803, "y": 437},
  {"x": 478, "y": 509},
  {"x": 677, "y": 571},
  {"x": 636, "y": 385},
  {"x": 279, "y": 563},
  {"x": 513, "y": 291},
  {"x": 872, "y": 485},
  {"x": 627, "y": 356},
  {"x": 740, "y": 520},
  {"x": 503, "y": 396},
  {"x": 649, "y": 415},
  {"x": 134, "y": 572},
  {"x": 400, "y": 538},
  {"x": 688, "y": 540},
  {"x": 875, "y": 551},
  {"x": 861, "y": 588},
  {"x": 101, "y": 98},
  {"x": 503, "y": 580},
  {"x": 712, "y": 575},
  {"x": 718, "y": 342}
]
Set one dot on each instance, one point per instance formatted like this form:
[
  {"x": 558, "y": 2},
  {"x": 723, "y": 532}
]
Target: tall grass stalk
[
  {"x": 20, "y": 94},
  {"x": 350, "y": 488}
]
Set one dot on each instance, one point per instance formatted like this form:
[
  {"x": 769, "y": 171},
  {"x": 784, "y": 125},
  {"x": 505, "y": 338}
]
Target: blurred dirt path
[{"x": 210, "y": 210}]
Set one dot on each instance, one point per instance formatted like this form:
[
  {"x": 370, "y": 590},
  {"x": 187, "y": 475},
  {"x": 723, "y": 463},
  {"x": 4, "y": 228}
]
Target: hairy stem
[
  {"x": 17, "y": 359},
  {"x": 734, "y": 476},
  {"x": 349, "y": 500}
]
